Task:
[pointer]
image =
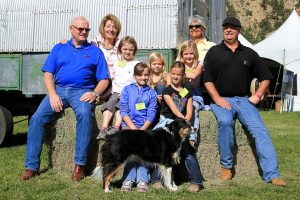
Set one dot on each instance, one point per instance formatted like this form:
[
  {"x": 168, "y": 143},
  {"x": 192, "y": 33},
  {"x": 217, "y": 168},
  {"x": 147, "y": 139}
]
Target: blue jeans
[
  {"x": 250, "y": 118},
  {"x": 188, "y": 154},
  {"x": 195, "y": 121},
  {"x": 44, "y": 114},
  {"x": 135, "y": 173}
]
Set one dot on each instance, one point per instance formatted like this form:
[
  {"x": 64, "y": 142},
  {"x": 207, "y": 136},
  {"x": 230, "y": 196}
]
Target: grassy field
[{"x": 284, "y": 129}]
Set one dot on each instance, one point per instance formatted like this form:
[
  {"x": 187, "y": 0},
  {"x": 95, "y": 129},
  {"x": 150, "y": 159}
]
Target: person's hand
[
  {"x": 159, "y": 98},
  {"x": 55, "y": 102},
  {"x": 222, "y": 102},
  {"x": 89, "y": 97},
  {"x": 63, "y": 41},
  {"x": 193, "y": 144},
  {"x": 254, "y": 99}
]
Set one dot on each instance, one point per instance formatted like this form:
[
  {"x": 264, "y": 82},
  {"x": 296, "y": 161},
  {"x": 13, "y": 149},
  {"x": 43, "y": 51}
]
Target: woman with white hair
[{"x": 197, "y": 28}]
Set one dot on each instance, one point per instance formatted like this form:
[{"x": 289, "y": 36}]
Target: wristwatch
[{"x": 97, "y": 95}]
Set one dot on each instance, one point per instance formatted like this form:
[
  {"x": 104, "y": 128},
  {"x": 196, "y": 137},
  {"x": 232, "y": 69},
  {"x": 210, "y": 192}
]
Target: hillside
[{"x": 260, "y": 17}]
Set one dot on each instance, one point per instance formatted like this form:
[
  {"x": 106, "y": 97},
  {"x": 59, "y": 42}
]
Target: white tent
[
  {"x": 283, "y": 46},
  {"x": 245, "y": 42}
]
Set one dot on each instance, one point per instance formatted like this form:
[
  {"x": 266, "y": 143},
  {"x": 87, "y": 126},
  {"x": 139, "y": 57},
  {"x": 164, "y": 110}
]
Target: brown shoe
[
  {"x": 225, "y": 174},
  {"x": 193, "y": 188},
  {"x": 28, "y": 174},
  {"x": 278, "y": 182},
  {"x": 77, "y": 173}
]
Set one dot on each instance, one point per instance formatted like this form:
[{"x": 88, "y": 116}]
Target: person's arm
[
  {"x": 129, "y": 122},
  {"x": 55, "y": 101},
  {"x": 255, "y": 98},
  {"x": 102, "y": 76},
  {"x": 168, "y": 79},
  {"x": 94, "y": 95},
  {"x": 189, "y": 112},
  {"x": 124, "y": 108},
  {"x": 189, "y": 109},
  {"x": 146, "y": 125},
  {"x": 169, "y": 101},
  {"x": 195, "y": 73},
  {"x": 214, "y": 94}
]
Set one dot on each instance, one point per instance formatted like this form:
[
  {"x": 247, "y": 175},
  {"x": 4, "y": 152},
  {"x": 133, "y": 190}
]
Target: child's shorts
[{"x": 112, "y": 104}]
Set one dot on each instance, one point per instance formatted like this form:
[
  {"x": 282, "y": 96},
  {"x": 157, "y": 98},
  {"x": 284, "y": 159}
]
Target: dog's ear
[{"x": 177, "y": 124}]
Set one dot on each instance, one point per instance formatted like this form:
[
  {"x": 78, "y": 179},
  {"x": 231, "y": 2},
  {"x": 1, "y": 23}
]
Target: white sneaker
[
  {"x": 127, "y": 185},
  {"x": 142, "y": 187}
]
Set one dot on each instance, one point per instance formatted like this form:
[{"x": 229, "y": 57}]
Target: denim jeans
[
  {"x": 135, "y": 172},
  {"x": 250, "y": 118},
  {"x": 195, "y": 122},
  {"x": 188, "y": 154},
  {"x": 44, "y": 114}
]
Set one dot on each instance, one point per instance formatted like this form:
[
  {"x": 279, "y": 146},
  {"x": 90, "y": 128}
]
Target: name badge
[
  {"x": 189, "y": 69},
  {"x": 121, "y": 63},
  {"x": 183, "y": 92},
  {"x": 140, "y": 106}
]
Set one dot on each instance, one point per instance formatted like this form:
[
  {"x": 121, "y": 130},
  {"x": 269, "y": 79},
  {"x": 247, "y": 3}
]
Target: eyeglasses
[
  {"x": 81, "y": 29},
  {"x": 194, "y": 26}
]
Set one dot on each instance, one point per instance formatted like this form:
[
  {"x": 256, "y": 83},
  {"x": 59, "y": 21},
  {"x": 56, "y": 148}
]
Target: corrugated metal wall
[{"x": 36, "y": 25}]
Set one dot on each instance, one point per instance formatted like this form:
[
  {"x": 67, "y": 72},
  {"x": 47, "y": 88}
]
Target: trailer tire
[{"x": 6, "y": 125}]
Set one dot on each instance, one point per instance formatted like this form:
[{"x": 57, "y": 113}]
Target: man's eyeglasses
[
  {"x": 194, "y": 26},
  {"x": 81, "y": 29}
]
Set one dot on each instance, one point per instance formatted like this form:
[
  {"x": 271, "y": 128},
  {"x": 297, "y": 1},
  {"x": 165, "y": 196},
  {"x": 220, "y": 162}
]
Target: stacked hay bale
[
  {"x": 60, "y": 135},
  {"x": 60, "y": 138},
  {"x": 208, "y": 153}
]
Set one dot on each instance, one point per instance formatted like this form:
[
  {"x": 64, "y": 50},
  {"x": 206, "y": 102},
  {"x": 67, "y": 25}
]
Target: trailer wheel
[{"x": 6, "y": 125}]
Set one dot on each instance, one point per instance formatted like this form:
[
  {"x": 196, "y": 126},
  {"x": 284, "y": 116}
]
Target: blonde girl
[
  {"x": 178, "y": 102},
  {"x": 188, "y": 54},
  {"x": 123, "y": 76},
  {"x": 158, "y": 75}
]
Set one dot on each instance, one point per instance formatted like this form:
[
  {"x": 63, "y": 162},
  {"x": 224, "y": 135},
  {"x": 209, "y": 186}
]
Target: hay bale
[
  {"x": 209, "y": 130},
  {"x": 60, "y": 138},
  {"x": 208, "y": 153},
  {"x": 60, "y": 135}
]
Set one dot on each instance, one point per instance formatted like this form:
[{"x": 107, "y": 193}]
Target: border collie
[{"x": 160, "y": 147}]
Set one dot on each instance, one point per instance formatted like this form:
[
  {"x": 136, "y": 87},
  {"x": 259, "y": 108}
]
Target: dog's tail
[{"x": 98, "y": 173}]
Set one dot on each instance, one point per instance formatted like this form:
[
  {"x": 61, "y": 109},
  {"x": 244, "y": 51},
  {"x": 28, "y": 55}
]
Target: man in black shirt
[{"x": 228, "y": 68}]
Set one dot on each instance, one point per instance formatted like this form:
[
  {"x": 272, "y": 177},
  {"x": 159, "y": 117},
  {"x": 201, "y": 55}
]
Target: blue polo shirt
[{"x": 75, "y": 67}]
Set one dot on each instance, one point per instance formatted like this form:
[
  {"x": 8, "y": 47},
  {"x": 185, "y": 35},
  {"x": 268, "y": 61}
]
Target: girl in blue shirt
[{"x": 138, "y": 104}]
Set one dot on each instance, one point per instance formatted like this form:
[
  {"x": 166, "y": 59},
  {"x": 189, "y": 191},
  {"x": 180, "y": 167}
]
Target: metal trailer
[{"x": 29, "y": 29}]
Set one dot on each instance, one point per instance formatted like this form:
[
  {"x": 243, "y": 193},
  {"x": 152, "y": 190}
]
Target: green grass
[{"x": 284, "y": 129}]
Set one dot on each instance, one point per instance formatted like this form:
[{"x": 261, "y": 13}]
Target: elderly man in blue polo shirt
[
  {"x": 75, "y": 74},
  {"x": 228, "y": 68}
]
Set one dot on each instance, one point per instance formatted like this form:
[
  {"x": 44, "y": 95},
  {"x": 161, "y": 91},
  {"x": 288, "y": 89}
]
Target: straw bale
[
  {"x": 209, "y": 129},
  {"x": 60, "y": 138},
  {"x": 208, "y": 152},
  {"x": 209, "y": 159},
  {"x": 61, "y": 141}
]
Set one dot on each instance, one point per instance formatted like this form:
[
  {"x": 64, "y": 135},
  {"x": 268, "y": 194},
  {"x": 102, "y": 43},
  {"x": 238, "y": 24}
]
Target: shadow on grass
[{"x": 16, "y": 140}]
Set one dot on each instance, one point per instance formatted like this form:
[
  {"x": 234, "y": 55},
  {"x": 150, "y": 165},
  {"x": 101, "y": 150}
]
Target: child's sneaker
[
  {"x": 102, "y": 134},
  {"x": 112, "y": 130},
  {"x": 126, "y": 187},
  {"x": 142, "y": 187}
]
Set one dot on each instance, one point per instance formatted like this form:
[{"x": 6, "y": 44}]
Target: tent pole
[
  {"x": 275, "y": 89},
  {"x": 281, "y": 98}
]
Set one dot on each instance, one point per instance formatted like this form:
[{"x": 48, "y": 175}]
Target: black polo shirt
[{"x": 232, "y": 72}]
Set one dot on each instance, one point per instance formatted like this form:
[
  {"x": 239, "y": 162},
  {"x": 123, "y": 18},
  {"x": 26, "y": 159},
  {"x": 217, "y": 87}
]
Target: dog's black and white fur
[{"x": 160, "y": 148}]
